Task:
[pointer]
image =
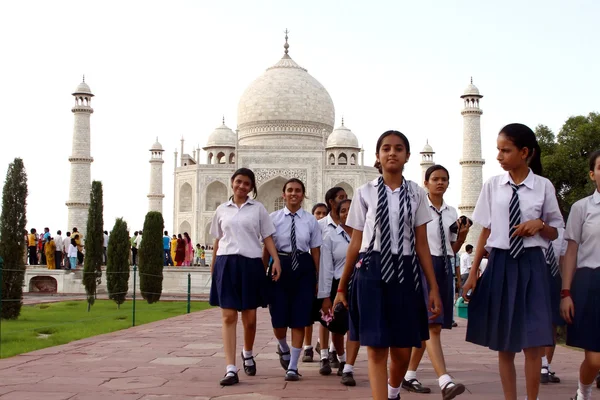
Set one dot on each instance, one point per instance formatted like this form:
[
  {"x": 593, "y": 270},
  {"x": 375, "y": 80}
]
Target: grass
[{"x": 52, "y": 324}]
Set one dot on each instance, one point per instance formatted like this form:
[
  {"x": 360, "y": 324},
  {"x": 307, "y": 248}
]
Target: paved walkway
[{"x": 181, "y": 358}]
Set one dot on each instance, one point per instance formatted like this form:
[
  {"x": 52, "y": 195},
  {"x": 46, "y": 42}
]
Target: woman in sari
[
  {"x": 180, "y": 251},
  {"x": 49, "y": 249},
  {"x": 189, "y": 249}
]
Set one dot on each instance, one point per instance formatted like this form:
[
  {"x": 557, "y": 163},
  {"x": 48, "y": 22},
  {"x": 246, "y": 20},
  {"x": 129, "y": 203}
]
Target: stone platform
[{"x": 181, "y": 358}]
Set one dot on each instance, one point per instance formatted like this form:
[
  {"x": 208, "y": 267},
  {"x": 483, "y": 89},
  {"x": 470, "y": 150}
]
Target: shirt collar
[
  {"x": 299, "y": 213},
  {"x": 528, "y": 182},
  {"x": 248, "y": 201},
  {"x": 329, "y": 221},
  {"x": 375, "y": 183},
  {"x": 596, "y": 197},
  {"x": 444, "y": 205}
]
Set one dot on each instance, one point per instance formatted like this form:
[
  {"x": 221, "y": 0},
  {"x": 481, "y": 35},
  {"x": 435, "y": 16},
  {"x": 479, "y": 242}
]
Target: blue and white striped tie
[
  {"x": 295, "y": 263},
  {"x": 551, "y": 260},
  {"x": 516, "y": 243},
  {"x": 443, "y": 239},
  {"x": 411, "y": 231}
]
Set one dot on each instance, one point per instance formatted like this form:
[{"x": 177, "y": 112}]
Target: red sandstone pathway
[{"x": 181, "y": 358}]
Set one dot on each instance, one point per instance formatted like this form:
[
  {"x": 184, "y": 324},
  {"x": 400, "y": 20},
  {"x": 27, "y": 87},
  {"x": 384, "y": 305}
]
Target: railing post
[
  {"x": 189, "y": 292},
  {"x": 134, "y": 284}
]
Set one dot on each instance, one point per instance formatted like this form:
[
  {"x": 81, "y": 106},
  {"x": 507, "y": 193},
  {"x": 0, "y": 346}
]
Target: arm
[
  {"x": 424, "y": 254},
  {"x": 549, "y": 232},
  {"x": 567, "y": 308},
  {"x": 463, "y": 231},
  {"x": 326, "y": 269},
  {"x": 272, "y": 250},
  {"x": 265, "y": 257},
  {"x": 214, "y": 255},
  {"x": 316, "y": 256},
  {"x": 479, "y": 252},
  {"x": 351, "y": 257}
]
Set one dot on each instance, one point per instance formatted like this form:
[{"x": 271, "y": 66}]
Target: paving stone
[{"x": 177, "y": 361}]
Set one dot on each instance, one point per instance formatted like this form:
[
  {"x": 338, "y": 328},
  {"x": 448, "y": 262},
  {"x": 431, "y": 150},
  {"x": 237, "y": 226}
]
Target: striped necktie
[
  {"x": 404, "y": 197},
  {"x": 443, "y": 239},
  {"x": 516, "y": 243},
  {"x": 295, "y": 263},
  {"x": 382, "y": 219},
  {"x": 551, "y": 260}
]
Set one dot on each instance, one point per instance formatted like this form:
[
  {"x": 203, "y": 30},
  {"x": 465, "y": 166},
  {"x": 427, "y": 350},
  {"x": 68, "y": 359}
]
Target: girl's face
[
  {"x": 320, "y": 213},
  {"x": 437, "y": 183},
  {"x": 344, "y": 212},
  {"x": 510, "y": 156},
  {"x": 392, "y": 154},
  {"x": 293, "y": 194},
  {"x": 339, "y": 196},
  {"x": 595, "y": 174},
  {"x": 241, "y": 185}
]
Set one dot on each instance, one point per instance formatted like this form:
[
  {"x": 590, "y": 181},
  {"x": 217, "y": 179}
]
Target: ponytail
[{"x": 535, "y": 161}]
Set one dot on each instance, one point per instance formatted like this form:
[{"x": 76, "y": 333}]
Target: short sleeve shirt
[{"x": 583, "y": 227}]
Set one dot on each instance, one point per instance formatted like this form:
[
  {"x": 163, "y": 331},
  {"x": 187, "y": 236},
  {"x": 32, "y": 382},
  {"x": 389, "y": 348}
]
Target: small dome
[
  {"x": 342, "y": 137},
  {"x": 222, "y": 137},
  {"x": 83, "y": 88},
  {"x": 471, "y": 90},
  {"x": 427, "y": 148},
  {"x": 156, "y": 146}
]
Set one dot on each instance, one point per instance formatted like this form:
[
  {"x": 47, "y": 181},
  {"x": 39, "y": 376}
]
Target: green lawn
[{"x": 51, "y": 324}]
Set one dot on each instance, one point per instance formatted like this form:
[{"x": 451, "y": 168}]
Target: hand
[
  {"x": 326, "y": 306},
  {"x": 340, "y": 297},
  {"x": 458, "y": 283},
  {"x": 528, "y": 228},
  {"x": 468, "y": 285},
  {"x": 567, "y": 309},
  {"x": 463, "y": 230},
  {"x": 276, "y": 270},
  {"x": 435, "y": 304}
]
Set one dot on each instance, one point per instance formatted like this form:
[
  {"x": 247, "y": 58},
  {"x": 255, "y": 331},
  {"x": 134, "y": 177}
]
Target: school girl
[
  {"x": 554, "y": 257},
  {"x": 238, "y": 275},
  {"x": 580, "y": 304},
  {"x": 320, "y": 211},
  {"x": 509, "y": 309},
  {"x": 443, "y": 244},
  {"x": 298, "y": 240},
  {"x": 388, "y": 315}
]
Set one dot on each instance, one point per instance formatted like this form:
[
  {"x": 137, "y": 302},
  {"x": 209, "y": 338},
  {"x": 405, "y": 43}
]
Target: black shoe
[
  {"x": 284, "y": 363},
  {"x": 229, "y": 379},
  {"x": 292, "y": 375},
  {"x": 395, "y": 398},
  {"x": 414, "y": 386},
  {"x": 333, "y": 360},
  {"x": 450, "y": 392},
  {"x": 309, "y": 355},
  {"x": 454, "y": 324},
  {"x": 552, "y": 378},
  {"x": 341, "y": 368},
  {"x": 348, "y": 379},
  {"x": 325, "y": 367},
  {"x": 250, "y": 370},
  {"x": 544, "y": 376}
]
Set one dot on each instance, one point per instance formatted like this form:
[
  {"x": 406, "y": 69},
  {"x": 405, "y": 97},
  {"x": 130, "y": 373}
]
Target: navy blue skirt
[
  {"x": 292, "y": 296},
  {"x": 555, "y": 287},
  {"x": 585, "y": 291},
  {"x": 238, "y": 283},
  {"x": 445, "y": 281},
  {"x": 510, "y": 306},
  {"x": 387, "y": 314}
]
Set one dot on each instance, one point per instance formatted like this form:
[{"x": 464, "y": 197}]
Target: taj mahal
[{"x": 285, "y": 128}]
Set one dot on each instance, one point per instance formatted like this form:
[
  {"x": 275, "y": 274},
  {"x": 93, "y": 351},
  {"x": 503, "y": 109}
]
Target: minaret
[
  {"x": 426, "y": 161},
  {"x": 156, "y": 196},
  {"x": 471, "y": 161},
  {"x": 80, "y": 183}
]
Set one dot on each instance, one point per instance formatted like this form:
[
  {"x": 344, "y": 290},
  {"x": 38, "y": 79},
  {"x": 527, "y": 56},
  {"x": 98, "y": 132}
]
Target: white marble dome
[
  {"x": 83, "y": 88},
  {"x": 156, "y": 146},
  {"x": 283, "y": 105},
  {"x": 471, "y": 90},
  {"x": 222, "y": 136},
  {"x": 342, "y": 137},
  {"x": 427, "y": 148}
]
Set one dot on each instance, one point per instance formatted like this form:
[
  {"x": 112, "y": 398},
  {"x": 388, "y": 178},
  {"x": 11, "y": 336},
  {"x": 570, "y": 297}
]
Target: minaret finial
[
  {"x": 286, "y": 46},
  {"x": 342, "y": 120},
  {"x": 83, "y": 78},
  {"x": 223, "y": 119},
  {"x": 471, "y": 80},
  {"x": 157, "y": 138}
]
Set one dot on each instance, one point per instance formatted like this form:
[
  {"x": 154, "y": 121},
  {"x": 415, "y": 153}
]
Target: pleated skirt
[
  {"x": 584, "y": 332},
  {"x": 510, "y": 309},
  {"x": 555, "y": 287},
  {"x": 445, "y": 281},
  {"x": 238, "y": 283}
]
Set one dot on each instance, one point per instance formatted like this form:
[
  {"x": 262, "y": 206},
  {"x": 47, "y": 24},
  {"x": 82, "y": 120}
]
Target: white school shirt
[
  {"x": 240, "y": 230},
  {"x": 333, "y": 258},
  {"x": 483, "y": 265},
  {"x": 66, "y": 244},
  {"x": 105, "y": 240},
  {"x": 537, "y": 199},
  {"x": 449, "y": 216},
  {"x": 559, "y": 245},
  {"x": 364, "y": 208},
  {"x": 465, "y": 263},
  {"x": 326, "y": 224},
  {"x": 72, "y": 251},
  {"x": 58, "y": 241},
  {"x": 308, "y": 232},
  {"x": 583, "y": 227}
]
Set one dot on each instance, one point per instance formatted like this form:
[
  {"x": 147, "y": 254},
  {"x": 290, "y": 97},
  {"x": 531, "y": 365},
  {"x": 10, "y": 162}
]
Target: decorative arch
[
  {"x": 347, "y": 187},
  {"x": 331, "y": 159},
  {"x": 270, "y": 191},
  {"x": 208, "y": 238},
  {"x": 185, "y": 198},
  {"x": 232, "y": 158},
  {"x": 278, "y": 204},
  {"x": 185, "y": 227},
  {"x": 209, "y": 159},
  {"x": 216, "y": 194},
  {"x": 221, "y": 158},
  {"x": 342, "y": 159},
  {"x": 353, "y": 159}
]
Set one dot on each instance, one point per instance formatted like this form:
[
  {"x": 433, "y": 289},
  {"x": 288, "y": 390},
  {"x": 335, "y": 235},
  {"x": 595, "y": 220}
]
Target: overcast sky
[{"x": 173, "y": 68}]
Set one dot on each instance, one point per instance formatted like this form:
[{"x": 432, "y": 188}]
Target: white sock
[
  {"x": 585, "y": 391},
  {"x": 283, "y": 346},
  {"x": 231, "y": 370},
  {"x": 445, "y": 380},
  {"x": 248, "y": 354},
  {"x": 295, "y": 356},
  {"x": 410, "y": 375},
  {"x": 544, "y": 361},
  {"x": 393, "y": 392},
  {"x": 342, "y": 358},
  {"x": 308, "y": 347},
  {"x": 348, "y": 369},
  {"x": 324, "y": 354},
  {"x": 331, "y": 347}
]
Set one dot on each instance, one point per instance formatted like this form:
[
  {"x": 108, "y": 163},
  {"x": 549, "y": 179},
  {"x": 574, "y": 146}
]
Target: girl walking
[
  {"x": 510, "y": 310},
  {"x": 388, "y": 216},
  {"x": 238, "y": 275}
]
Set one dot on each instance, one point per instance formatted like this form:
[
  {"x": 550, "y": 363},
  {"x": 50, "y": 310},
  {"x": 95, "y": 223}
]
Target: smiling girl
[
  {"x": 510, "y": 310},
  {"x": 238, "y": 274}
]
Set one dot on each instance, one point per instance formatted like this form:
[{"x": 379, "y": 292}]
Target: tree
[
  {"x": 12, "y": 239},
  {"x": 94, "y": 243},
  {"x": 117, "y": 263},
  {"x": 565, "y": 161},
  {"x": 151, "y": 256}
]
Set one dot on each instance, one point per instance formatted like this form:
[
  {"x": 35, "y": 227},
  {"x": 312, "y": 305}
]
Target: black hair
[
  {"x": 318, "y": 205},
  {"x": 341, "y": 203},
  {"x": 166, "y": 233},
  {"x": 32, "y": 230},
  {"x": 385, "y": 134},
  {"x": 593, "y": 158},
  {"x": 331, "y": 195},
  {"x": 68, "y": 233},
  {"x": 469, "y": 247},
  {"x": 298, "y": 181},
  {"x": 106, "y": 232},
  {"x": 179, "y": 236},
  {"x": 247, "y": 172},
  {"x": 434, "y": 168},
  {"x": 523, "y": 137},
  {"x": 187, "y": 237},
  {"x": 73, "y": 242},
  {"x": 135, "y": 233},
  {"x": 58, "y": 232}
]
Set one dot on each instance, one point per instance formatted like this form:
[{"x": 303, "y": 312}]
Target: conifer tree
[
  {"x": 12, "y": 239},
  {"x": 151, "y": 256},
  {"x": 117, "y": 264},
  {"x": 94, "y": 243}
]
